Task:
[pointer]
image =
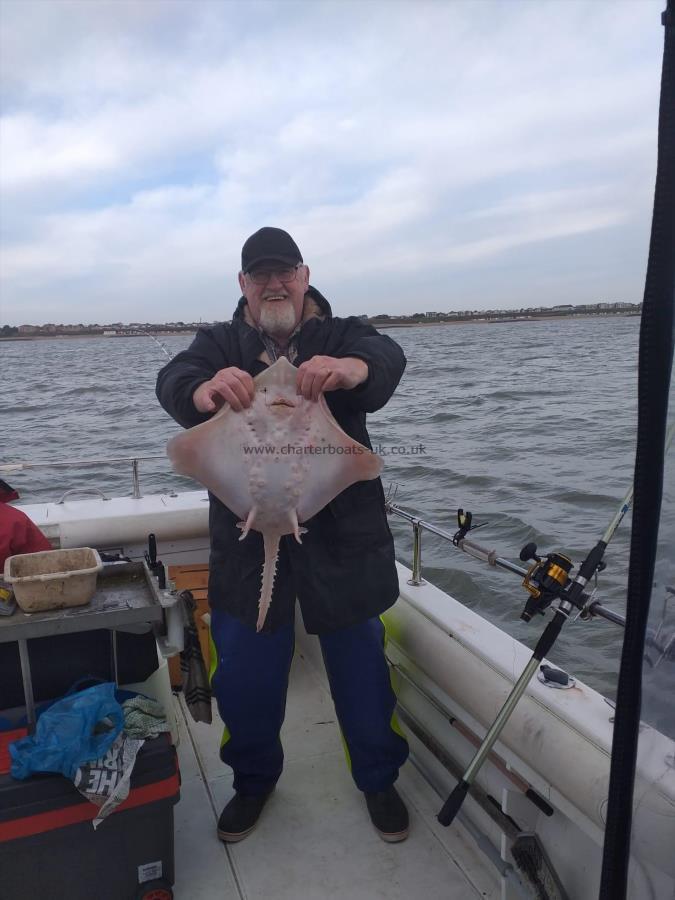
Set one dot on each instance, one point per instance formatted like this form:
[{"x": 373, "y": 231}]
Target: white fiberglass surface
[{"x": 314, "y": 839}]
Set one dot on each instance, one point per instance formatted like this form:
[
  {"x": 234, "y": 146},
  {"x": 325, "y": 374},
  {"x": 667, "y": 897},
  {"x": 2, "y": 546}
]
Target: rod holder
[
  {"x": 136, "y": 494},
  {"x": 416, "y": 580}
]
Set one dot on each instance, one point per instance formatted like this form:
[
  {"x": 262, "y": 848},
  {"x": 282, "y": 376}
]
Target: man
[{"x": 343, "y": 573}]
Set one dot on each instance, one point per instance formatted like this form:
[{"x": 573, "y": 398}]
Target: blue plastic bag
[{"x": 66, "y": 735}]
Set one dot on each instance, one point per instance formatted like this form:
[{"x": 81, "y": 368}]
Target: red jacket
[{"x": 18, "y": 534}]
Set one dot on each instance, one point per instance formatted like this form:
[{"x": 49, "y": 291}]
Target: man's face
[{"x": 275, "y": 303}]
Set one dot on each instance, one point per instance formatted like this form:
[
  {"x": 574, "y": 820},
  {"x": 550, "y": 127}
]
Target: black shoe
[
  {"x": 240, "y": 816},
  {"x": 388, "y": 814}
]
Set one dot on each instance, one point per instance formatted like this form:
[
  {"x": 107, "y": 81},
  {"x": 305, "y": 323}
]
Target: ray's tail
[{"x": 271, "y": 544}]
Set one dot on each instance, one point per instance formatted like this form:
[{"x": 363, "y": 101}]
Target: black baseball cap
[{"x": 272, "y": 244}]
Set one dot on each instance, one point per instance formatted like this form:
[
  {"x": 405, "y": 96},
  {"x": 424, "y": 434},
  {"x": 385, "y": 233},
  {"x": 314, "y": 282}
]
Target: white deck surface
[{"x": 314, "y": 839}]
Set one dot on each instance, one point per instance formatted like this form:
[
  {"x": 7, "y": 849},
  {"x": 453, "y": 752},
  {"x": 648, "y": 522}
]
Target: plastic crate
[{"x": 53, "y": 579}]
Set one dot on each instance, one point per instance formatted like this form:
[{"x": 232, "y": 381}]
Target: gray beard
[{"x": 277, "y": 319}]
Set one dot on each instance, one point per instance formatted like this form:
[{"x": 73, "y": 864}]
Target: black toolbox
[{"x": 48, "y": 846}]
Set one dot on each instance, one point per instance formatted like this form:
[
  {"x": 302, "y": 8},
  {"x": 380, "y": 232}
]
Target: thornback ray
[{"x": 275, "y": 464}]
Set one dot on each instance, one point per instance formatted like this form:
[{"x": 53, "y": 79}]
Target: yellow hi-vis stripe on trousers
[
  {"x": 395, "y": 725},
  {"x": 213, "y": 665},
  {"x": 393, "y": 722}
]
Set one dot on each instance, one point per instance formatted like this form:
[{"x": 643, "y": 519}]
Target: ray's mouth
[{"x": 282, "y": 401}]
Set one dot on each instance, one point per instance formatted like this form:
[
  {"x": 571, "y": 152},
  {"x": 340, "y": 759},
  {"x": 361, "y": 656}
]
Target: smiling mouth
[{"x": 282, "y": 401}]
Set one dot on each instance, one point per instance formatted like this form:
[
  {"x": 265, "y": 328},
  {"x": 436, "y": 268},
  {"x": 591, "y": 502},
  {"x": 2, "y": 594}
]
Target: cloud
[{"x": 401, "y": 144}]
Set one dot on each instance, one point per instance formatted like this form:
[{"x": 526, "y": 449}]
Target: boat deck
[{"x": 314, "y": 839}]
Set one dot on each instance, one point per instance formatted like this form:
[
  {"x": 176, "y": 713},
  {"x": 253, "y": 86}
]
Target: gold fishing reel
[{"x": 545, "y": 580}]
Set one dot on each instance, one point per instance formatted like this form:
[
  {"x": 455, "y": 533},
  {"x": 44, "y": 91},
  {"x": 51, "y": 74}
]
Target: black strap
[{"x": 655, "y": 365}]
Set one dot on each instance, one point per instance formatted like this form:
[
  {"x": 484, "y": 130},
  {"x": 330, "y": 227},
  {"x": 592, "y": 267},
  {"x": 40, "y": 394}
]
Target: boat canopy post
[{"x": 650, "y": 553}]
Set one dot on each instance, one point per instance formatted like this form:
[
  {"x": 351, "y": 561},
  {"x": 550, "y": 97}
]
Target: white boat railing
[
  {"x": 418, "y": 525},
  {"x": 664, "y": 646},
  {"x": 9, "y": 468}
]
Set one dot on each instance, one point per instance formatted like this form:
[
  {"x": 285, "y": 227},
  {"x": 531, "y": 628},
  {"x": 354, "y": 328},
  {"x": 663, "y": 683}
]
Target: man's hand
[
  {"x": 326, "y": 373},
  {"x": 231, "y": 385}
]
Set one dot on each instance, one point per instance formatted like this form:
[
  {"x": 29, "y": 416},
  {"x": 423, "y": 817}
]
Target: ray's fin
[
  {"x": 248, "y": 524},
  {"x": 298, "y": 530}
]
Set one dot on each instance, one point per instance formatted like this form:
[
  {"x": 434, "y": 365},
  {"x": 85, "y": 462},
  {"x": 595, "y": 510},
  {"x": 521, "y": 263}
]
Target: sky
[{"x": 426, "y": 156}]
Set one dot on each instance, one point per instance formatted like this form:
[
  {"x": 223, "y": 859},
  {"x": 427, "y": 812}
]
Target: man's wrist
[
  {"x": 195, "y": 395},
  {"x": 363, "y": 367}
]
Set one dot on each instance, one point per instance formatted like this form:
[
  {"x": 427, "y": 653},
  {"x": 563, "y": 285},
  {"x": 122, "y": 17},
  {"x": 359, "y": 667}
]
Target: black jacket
[{"x": 343, "y": 572}]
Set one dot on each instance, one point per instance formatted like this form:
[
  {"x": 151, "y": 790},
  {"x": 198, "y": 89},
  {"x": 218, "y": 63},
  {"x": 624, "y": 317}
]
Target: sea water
[{"x": 530, "y": 425}]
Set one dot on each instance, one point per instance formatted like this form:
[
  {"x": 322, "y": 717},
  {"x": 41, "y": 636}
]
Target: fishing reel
[{"x": 546, "y": 579}]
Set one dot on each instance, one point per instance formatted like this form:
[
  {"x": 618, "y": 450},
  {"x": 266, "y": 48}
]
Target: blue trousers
[{"x": 250, "y": 682}]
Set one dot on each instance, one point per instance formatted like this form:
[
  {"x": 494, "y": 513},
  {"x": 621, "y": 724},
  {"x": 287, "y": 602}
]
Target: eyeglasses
[{"x": 285, "y": 274}]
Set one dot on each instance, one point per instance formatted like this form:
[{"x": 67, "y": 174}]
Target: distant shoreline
[
  {"x": 107, "y": 337},
  {"x": 379, "y": 325},
  {"x": 507, "y": 321}
]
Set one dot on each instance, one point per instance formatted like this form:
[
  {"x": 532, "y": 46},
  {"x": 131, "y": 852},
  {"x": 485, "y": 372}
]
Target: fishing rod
[
  {"x": 547, "y": 580},
  {"x": 591, "y": 608},
  {"x": 161, "y": 345},
  {"x": 492, "y": 557}
]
